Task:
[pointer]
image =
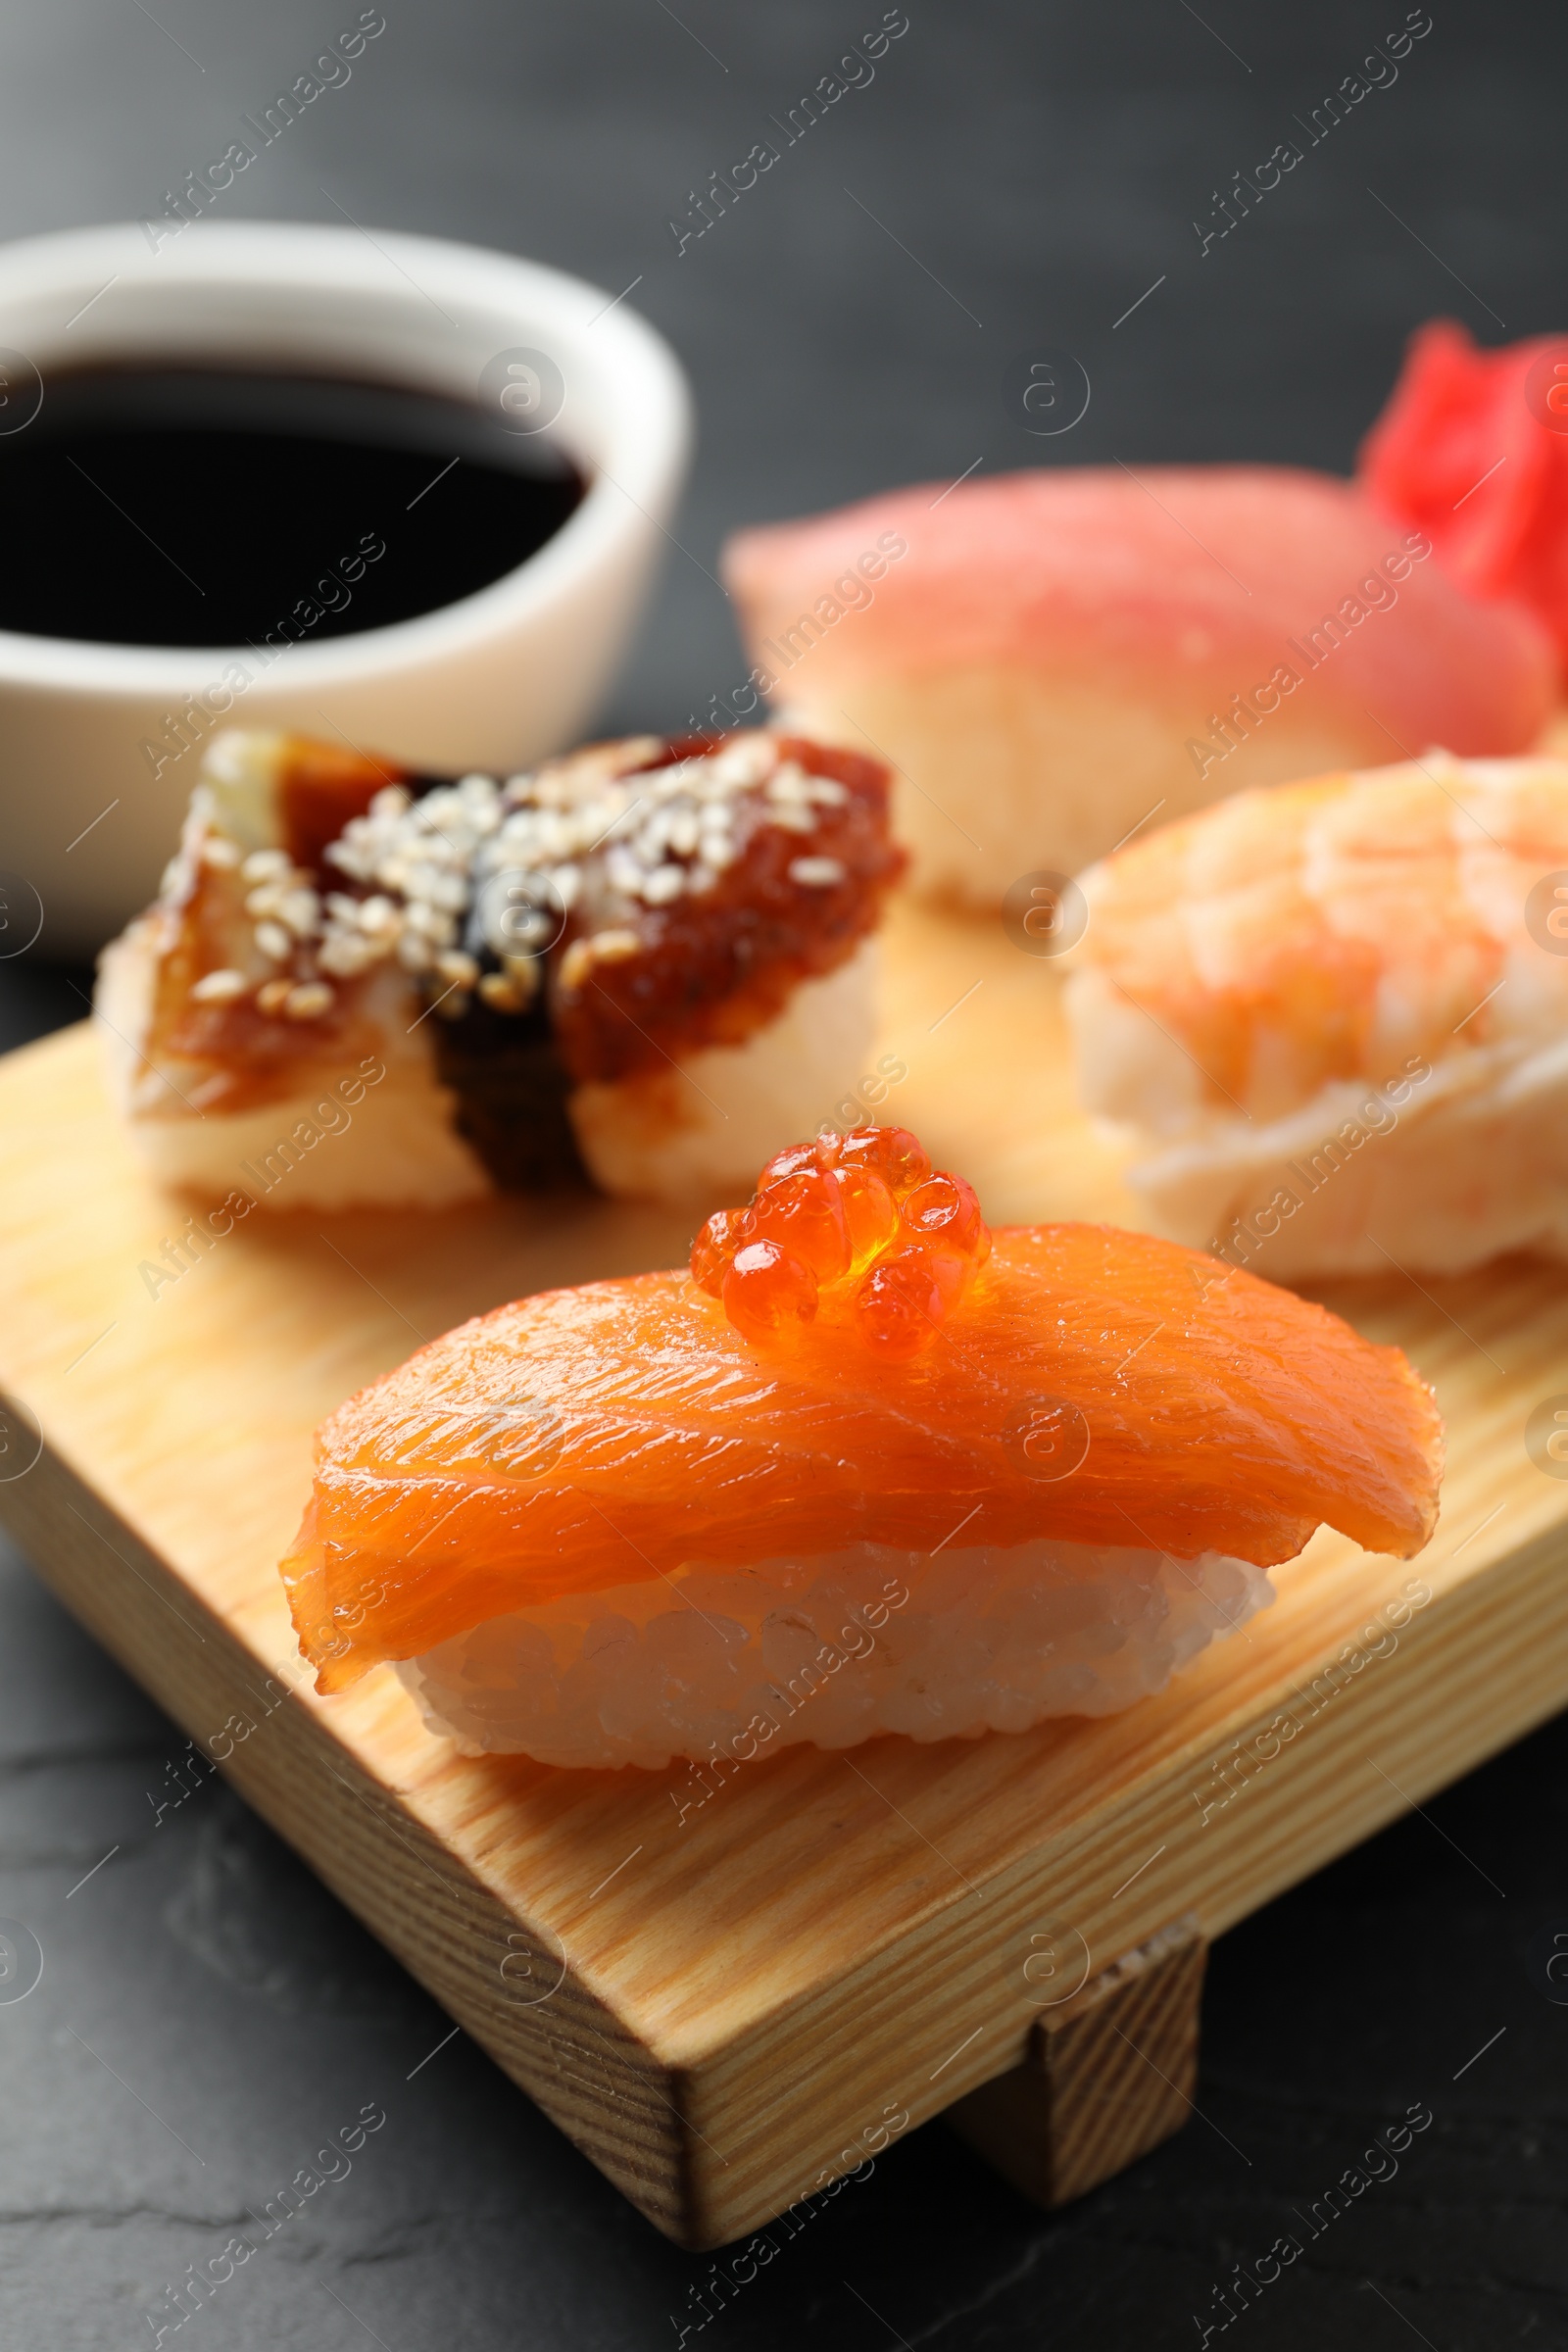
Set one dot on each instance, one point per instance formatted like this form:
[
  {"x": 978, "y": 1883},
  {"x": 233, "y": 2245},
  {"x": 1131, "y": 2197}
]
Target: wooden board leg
[{"x": 1109, "y": 2075}]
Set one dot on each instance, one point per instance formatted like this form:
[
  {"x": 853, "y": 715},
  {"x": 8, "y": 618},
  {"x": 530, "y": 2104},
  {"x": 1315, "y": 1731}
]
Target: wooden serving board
[{"x": 727, "y": 2002}]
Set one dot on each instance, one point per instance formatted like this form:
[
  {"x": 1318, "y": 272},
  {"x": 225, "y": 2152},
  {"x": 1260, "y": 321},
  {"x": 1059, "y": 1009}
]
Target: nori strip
[{"x": 511, "y": 1090}]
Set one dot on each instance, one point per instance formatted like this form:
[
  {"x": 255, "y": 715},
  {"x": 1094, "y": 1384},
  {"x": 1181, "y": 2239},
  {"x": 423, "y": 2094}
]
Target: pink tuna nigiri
[{"x": 1048, "y": 659}]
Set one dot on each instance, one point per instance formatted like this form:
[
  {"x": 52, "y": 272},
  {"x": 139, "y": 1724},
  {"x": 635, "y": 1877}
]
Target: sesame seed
[
  {"x": 623, "y": 872},
  {"x": 614, "y": 947},
  {"x": 592, "y": 827},
  {"x": 308, "y": 1000},
  {"x": 264, "y": 865},
  {"x": 270, "y": 996},
  {"x": 301, "y": 910},
  {"x": 429, "y": 923},
  {"x": 220, "y": 988},
  {"x": 216, "y": 851},
  {"x": 743, "y": 761},
  {"x": 346, "y": 953},
  {"x": 604, "y": 947},
  {"x": 498, "y": 990}
]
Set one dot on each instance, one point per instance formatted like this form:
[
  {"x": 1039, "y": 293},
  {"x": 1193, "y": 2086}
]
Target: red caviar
[
  {"x": 901, "y": 1304},
  {"x": 804, "y": 1213},
  {"x": 945, "y": 1209},
  {"x": 766, "y": 1290},
  {"x": 861, "y": 1222},
  {"x": 797, "y": 1159},
  {"x": 869, "y": 1208},
  {"x": 897, "y": 1156},
  {"x": 715, "y": 1246}
]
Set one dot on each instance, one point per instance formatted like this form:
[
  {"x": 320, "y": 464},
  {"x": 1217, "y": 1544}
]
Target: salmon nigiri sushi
[
  {"x": 1048, "y": 660},
  {"x": 863, "y": 1467},
  {"x": 1333, "y": 1018}
]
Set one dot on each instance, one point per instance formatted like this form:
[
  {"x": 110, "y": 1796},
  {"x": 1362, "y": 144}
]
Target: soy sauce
[{"x": 208, "y": 507}]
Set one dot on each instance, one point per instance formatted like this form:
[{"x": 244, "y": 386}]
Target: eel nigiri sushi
[
  {"x": 1048, "y": 659},
  {"x": 1333, "y": 1016},
  {"x": 863, "y": 1467},
  {"x": 639, "y": 959}
]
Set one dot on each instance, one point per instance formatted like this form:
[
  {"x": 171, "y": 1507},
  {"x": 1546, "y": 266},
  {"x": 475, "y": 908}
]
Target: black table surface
[{"x": 1009, "y": 178}]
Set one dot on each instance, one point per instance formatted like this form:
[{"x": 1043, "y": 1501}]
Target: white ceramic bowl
[{"x": 493, "y": 681}]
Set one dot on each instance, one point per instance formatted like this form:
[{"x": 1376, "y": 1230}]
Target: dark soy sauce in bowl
[{"x": 213, "y": 508}]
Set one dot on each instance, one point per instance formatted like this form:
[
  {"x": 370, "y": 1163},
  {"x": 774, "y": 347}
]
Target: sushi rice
[{"x": 831, "y": 1652}]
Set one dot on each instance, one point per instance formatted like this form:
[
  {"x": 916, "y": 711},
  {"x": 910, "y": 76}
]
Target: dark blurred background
[{"x": 1014, "y": 178}]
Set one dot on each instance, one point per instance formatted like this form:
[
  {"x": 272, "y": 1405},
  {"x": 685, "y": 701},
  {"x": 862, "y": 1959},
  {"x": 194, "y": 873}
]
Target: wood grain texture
[
  {"x": 719, "y": 1999},
  {"x": 1110, "y": 2072}
]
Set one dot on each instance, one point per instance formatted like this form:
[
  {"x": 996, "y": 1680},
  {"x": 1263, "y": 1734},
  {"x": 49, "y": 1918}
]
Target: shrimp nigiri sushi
[
  {"x": 863, "y": 1467},
  {"x": 1048, "y": 659},
  {"x": 1333, "y": 1018},
  {"x": 633, "y": 962}
]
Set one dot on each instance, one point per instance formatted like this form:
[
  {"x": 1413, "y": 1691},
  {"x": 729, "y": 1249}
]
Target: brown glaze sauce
[
  {"x": 320, "y": 789},
  {"x": 716, "y": 968}
]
